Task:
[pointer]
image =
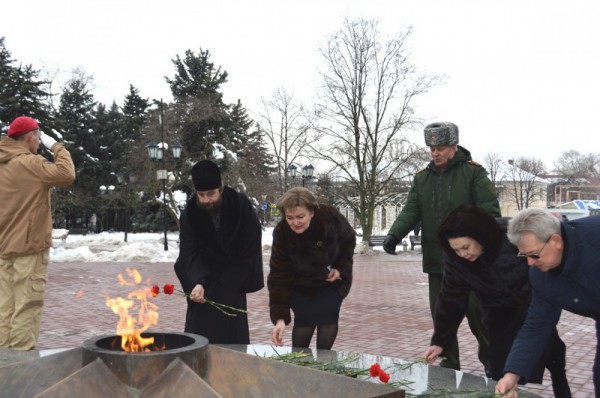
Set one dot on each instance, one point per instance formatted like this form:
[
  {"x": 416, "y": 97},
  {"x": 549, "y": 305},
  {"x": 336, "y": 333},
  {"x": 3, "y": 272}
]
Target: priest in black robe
[{"x": 220, "y": 257}]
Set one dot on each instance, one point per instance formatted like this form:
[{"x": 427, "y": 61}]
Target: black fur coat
[
  {"x": 299, "y": 261},
  {"x": 227, "y": 262},
  {"x": 502, "y": 286}
]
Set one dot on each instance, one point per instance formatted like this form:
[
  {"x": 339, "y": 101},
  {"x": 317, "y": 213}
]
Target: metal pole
[
  {"x": 165, "y": 213},
  {"x": 126, "y": 207},
  {"x": 164, "y": 153}
]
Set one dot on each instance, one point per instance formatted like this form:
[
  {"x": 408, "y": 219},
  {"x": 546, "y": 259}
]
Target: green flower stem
[{"x": 225, "y": 309}]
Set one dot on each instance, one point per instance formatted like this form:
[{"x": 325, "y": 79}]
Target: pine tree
[
  {"x": 134, "y": 115},
  {"x": 22, "y": 93},
  {"x": 202, "y": 117},
  {"x": 7, "y": 91},
  {"x": 254, "y": 163},
  {"x": 75, "y": 121},
  {"x": 197, "y": 77},
  {"x": 106, "y": 145}
]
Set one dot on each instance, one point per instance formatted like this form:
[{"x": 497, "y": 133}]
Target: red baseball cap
[{"x": 22, "y": 125}]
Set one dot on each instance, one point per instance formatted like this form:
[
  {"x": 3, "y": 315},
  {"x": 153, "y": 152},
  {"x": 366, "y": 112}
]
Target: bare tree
[
  {"x": 365, "y": 106},
  {"x": 524, "y": 184},
  {"x": 577, "y": 177},
  {"x": 284, "y": 124},
  {"x": 573, "y": 164},
  {"x": 493, "y": 164}
]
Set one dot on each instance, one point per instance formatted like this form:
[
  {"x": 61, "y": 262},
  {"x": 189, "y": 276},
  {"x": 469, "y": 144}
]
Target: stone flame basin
[
  {"x": 188, "y": 367},
  {"x": 138, "y": 369}
]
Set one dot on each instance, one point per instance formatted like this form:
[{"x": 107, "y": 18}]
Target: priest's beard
[{"x": 213, "y": 207}]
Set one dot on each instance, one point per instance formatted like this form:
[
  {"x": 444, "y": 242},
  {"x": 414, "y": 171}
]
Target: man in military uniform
[{"x": 450, "y": 179}]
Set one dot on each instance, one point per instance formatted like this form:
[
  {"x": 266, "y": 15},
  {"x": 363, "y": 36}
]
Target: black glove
[{"x": 389, "y": 244}]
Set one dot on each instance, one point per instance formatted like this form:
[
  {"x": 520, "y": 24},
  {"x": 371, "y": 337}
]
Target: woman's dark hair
[{"x": 470, "y": 221}]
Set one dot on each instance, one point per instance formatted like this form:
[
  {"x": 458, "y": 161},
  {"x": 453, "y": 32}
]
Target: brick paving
[{"x": 386, "y": 313}]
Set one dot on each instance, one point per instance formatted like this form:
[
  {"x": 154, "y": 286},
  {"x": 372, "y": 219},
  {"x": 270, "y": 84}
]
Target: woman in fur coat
[{"x": 310, "y": 269}]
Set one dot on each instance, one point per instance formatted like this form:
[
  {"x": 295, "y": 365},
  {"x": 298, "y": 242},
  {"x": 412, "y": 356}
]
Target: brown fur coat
[{"x": 299, "y": 261}]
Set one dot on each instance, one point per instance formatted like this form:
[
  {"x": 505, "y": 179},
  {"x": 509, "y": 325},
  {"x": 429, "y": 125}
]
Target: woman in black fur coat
[
  {"x": 310, "y": 269},
  {"x": 479, "y": 258}
]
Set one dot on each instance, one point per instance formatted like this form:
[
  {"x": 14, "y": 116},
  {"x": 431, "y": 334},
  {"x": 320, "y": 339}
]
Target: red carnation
[
  {"x": 168, "y": 289},
  {"x": 155, "y": 290},
  {"x": 375, "y": 370},
  {"x": 384, "y": 377}
]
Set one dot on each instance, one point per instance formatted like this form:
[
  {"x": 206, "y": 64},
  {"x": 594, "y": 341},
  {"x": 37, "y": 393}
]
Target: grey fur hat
[{"x": 441, "y": 134}]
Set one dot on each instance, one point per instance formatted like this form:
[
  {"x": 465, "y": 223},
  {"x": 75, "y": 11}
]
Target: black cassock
[{"x": 227, "y": 262}]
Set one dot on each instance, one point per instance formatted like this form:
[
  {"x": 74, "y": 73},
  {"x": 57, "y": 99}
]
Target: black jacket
[
  {"x": 434, "y": 195},
  {"x": 502, "y": 287}
]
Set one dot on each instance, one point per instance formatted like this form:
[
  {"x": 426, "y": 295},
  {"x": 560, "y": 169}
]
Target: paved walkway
[{"x": 386, "y": 313}]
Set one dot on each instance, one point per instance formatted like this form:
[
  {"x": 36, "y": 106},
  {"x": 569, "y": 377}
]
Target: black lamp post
[
  {"x": 126, "y": 180},
  {"x": 307, "y": 172},
  {"x": 103, "y": 191},
  {"x": 157, "y": 152},
  {"x": 293, "y": 169}
]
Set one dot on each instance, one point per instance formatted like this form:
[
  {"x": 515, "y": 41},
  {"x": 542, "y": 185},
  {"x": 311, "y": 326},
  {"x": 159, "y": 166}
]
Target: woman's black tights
[{"x": 326, "y": 334}]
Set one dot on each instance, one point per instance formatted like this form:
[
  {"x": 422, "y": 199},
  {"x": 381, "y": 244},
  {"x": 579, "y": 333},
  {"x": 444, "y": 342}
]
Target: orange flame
[{"x": 130, "y": 328}]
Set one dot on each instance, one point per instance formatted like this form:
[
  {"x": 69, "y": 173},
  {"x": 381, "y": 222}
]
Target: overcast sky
[{"x": 523, "y": 77}]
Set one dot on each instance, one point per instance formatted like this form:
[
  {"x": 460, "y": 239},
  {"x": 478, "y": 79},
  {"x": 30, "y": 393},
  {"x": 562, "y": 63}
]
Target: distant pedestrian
[
  {"x": 26, "y": 227},
  {"x": 564, "y": 260},
  {"x": 311, "y": 269},
  {"x": 220, "y": 256}
]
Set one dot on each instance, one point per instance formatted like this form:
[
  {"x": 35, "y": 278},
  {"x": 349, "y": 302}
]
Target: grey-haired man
[{"x": 565, "y": 275}]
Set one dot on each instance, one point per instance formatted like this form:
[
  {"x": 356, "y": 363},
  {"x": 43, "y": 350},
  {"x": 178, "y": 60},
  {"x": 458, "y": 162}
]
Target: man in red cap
[{"x": 26, "y": 227}]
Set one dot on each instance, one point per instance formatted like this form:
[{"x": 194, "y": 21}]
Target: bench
[
  {"x": 60, "y": 234},
  {"x": 78, "y": 231},
  {"x": 377, "y": 240},
  {"x": 169, "y": 240},
  {"x": 414, "y": 241}
]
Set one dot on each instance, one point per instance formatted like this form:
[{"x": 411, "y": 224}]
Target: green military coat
[{"x": 434, "y": 195}]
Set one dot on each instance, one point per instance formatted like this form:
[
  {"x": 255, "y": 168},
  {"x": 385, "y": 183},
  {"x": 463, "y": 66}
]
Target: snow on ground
[{"x": 110, "y": 247}]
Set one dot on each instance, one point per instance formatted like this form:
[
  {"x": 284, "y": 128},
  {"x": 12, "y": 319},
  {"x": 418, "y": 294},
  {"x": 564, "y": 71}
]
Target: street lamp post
[
  {"x": 158, "y": 152},
  {"x": 307, "y": 172},
  {"x": 103, "y": 191},
  {"x": 125, "y": 180}
]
